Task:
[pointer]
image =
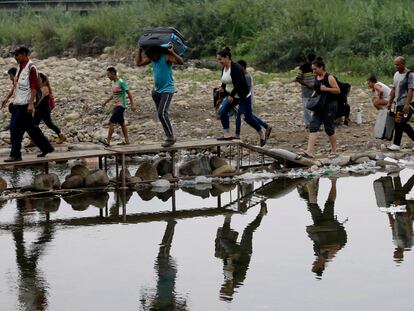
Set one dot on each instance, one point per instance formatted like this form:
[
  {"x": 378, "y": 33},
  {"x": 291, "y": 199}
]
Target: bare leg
[
  {"x": 125, "y": 132},
  {"x": 110, "y": 132},
  {"x": 311, "y": 143}
]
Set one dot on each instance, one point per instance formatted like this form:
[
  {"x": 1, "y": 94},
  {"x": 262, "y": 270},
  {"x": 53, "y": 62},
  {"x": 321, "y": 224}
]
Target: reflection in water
[
  {"x": 328, "y": 235},
  {"x": 389, "y": 192},
  {"x": 236, "y": 256},
  {"x": 165, "y": 297},
  {"x": 82, "y": 201},
  {"x": 32, "y": 285}
]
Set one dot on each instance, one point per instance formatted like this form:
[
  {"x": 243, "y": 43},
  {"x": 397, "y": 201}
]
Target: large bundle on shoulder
[{"x": 163, "y": 37}]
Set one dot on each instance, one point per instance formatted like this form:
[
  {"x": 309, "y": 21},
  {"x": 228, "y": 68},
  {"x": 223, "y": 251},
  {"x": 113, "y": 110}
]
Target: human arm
[
  {"x": 173, "y": 57},
  {"x": 6, "y": 99},
  {"x": 141, "y": 60},
  {"x": 333, "y": 88},
  {"x": 409, "y": 98},
  {"x": 107, "y": 100},
  {"x": 131, "y": 100},
  {"x": 392, "y": 97},
  {"x": 379, "y": 91}
]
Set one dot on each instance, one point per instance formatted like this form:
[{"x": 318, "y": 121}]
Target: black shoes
[
  {"x": 13, "y": 159},
  {"x": 168, "y": 143},
  {"x": 44, "y": 153}
]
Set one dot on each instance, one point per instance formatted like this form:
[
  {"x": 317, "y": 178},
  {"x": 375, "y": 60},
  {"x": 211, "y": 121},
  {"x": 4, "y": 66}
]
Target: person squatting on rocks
[
  {"x": 12, "y": 76},
  {"x": 402, "y": 92},
  {"x": 118, "y": 97},
  {"x": 264, "y": 125},
  {"x": 164, "y": 87},
  {"x": 325, "y": 84},
  {"x": 233, "y": 83},
  {"x": 26, "y": 88},
  {"x": 380, "y": 93},
  {"x": 43, "y": 110},
  {"x": 306, "y": 79}
]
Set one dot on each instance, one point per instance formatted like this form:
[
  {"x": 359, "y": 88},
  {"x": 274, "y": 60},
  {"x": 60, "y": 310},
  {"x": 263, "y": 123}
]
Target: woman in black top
[
  {"x": 42, "y": 109},
  {"x": 232, "y": 75},
  {"x": 324, "y": 84}
]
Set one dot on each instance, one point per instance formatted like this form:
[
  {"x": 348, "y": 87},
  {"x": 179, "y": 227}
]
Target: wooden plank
[
  {"x": 32, "y": 158},
  {"x": 156, "y": 148}
]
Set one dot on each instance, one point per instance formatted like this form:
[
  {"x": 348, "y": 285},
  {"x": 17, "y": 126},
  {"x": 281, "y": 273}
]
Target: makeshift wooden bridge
[{"x": 121, "y": 152}]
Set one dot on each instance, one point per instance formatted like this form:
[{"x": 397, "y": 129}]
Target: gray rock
[
  {"x": 147, "y": 172},
  {"x": 80, "y": 170},
  {"x": 216, "y": 162},
  {"x": 3, "y": 185},
  {"x": 362, "y": 160},
  {"x": 45, "y": 182},
  {"x": 196, "y": 167},
  {"x": 225, "y": 169},
  {"x": 98, "y": 178},
  {"x": 73, "y": 182},
  {"x": 47, "y": 204},
  {"x": 341, "y": 160},
  {"x": 164, "y": 166}
]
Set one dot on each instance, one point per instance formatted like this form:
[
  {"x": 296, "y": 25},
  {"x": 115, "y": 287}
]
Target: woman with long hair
[
  {"x": 42, "y": 109},
  {"x": 234, "y": 85},
  {"x": 326, "y": 85}
]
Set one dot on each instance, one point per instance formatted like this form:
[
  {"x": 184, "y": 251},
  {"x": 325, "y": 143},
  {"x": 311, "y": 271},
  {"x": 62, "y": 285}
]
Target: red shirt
[{"x": 34, "y": 81}]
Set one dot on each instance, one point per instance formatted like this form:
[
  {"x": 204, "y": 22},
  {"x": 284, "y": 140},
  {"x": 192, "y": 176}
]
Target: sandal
[
  {"x": 123, "y": 143},
  {"x": 105, "y": 142},
  {"x": 306, "y": 155},
  {"x": 333, "y": 155}
]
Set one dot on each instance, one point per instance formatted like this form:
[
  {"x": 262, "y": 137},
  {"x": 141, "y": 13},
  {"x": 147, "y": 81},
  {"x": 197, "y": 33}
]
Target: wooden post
[
  {"x": 123, "y": 168},
  {"x": 174, "y": 207},
  {"x": 173, "y": 163},
  {"x": 46, "y": 167},
  {"x": 116, "y": 170},
  {"x": 100, "y": 162},
  {"x": 218, "y": 151},
  {"x": 238, "y": 159}
]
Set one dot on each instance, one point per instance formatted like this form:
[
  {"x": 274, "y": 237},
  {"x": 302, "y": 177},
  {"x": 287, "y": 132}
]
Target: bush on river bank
[{"x": 354, "y": 36}]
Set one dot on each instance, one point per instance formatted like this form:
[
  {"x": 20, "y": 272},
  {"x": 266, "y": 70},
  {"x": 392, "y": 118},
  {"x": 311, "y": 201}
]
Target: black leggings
[
  {"x": 42, "y": 112},
  {"x": 402, "y": 125}
]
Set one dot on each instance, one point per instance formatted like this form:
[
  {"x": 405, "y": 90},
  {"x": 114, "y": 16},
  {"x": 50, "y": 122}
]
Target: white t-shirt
[
  {"x": 401, "y": 86},
  {"x": 226, "y": 79},
  {"x": 385, "y": 91}
]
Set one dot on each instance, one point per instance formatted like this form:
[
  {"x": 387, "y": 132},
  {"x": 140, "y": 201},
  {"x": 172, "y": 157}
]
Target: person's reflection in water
[
  {"x": 236, "y": 256},
  {"x": 32, "y": 286},
  {"x": 328, "y": 235},
  {"x": 390, "y": 192},
  {"x": 165, "y": 297}
]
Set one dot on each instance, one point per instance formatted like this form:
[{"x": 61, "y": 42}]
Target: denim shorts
[{"x": 325, "y": 117}]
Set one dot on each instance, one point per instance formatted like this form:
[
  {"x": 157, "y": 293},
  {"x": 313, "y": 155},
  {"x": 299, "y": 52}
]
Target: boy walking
[{"x": 118, "y": 97}]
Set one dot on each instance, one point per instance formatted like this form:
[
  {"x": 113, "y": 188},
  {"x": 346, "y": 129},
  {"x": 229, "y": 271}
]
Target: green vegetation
[{"x": 355, "y": 37}]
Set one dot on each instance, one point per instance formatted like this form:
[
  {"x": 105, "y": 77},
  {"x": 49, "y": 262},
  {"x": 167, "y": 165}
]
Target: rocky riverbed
[{"x": 80, "y": 85}]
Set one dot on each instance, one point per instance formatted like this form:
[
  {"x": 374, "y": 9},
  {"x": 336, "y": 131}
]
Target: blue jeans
[{"x": 238, "y": 122}]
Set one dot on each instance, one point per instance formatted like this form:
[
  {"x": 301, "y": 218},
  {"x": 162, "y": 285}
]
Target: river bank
[{"x": 80, "y": 85}]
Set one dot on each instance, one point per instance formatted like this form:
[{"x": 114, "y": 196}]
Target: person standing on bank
[
  {"x": 326, "y": 84},
  {"x": 233, "y": 82},
  {"x": 306, "y": 79},
  {"x": 402, "y": 92},
  {"x": 26, "y": 87},
  {"x": 164, "y": 88},
  {"x": 42, "y": 109}
]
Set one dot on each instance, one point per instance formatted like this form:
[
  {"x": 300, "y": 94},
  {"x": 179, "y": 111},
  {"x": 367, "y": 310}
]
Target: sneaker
[
  {"x": 13, "y": 159},
  {"x": 44, "y": 153},
  {"x": 394, "y": 147},
  {"x": 168, "y": 143}
]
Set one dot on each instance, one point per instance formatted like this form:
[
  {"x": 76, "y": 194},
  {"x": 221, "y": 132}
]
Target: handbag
[
  {"x": 389, "y": 126},
  {"x": 316, "y": 102}
]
